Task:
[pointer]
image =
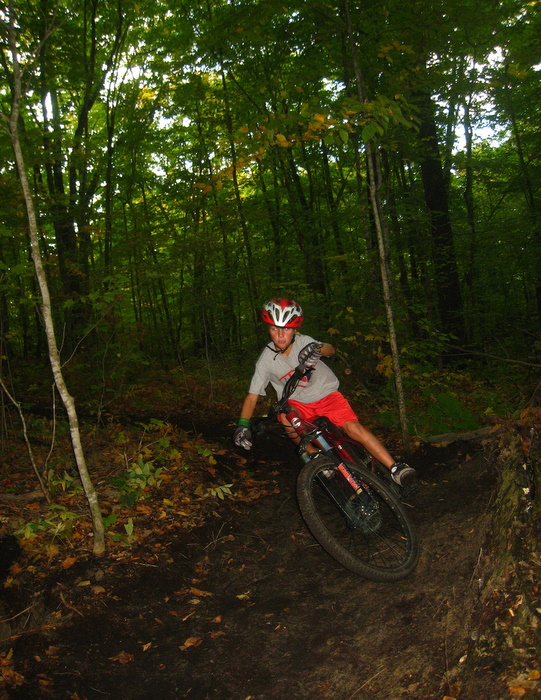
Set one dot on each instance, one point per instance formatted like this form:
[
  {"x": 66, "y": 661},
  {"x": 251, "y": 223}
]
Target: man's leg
[
  {"x": 289, "y": 429},
  {"x": 368, "y": 440},
  {"x": 291, "y": 433},
  {"x": 402, "y": 473}
]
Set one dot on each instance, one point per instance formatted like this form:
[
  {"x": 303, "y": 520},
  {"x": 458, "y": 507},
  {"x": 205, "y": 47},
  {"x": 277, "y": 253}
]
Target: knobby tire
[{"x": 385, "y": 549}]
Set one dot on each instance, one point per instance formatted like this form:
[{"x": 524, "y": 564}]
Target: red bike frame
[{"x": 325, "y": 441}]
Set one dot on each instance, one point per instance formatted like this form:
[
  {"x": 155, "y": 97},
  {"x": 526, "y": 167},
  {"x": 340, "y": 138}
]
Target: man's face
[{"x": 281, "y": 337}]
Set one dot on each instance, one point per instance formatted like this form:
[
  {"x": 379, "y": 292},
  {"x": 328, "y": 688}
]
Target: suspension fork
[
  {"x": 330, "y": 450},
  {"x": 314, "y": 437}
]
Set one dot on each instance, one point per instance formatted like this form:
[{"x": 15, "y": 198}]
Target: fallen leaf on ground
[
  {"x": 122, "y": 658},
  {"x": 197, "y": 591},
  {"x": 191, "y": 642},
  {"x": 68, "y": 561},
  {"x": 219, "y": 633},
  {"x": 10, "y": 676}
]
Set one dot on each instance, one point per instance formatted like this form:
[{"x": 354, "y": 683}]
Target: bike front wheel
[{"x": 370, "y": 532}]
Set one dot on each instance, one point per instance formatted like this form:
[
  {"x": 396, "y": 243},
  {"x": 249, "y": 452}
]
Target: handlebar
[
  {"x": 292, "y": 383},
  {"x": 300, "y": 371},
  {"x": 258, "y": 424}
]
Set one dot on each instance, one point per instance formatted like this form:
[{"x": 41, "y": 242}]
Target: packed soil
[{"x": 250, "y": 607}]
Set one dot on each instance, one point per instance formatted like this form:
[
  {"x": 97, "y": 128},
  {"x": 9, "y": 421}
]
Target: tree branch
[{"x": 494, "y": 357}]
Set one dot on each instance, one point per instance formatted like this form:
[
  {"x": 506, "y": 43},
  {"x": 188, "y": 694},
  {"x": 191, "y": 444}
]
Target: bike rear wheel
[{"x": 374, "y": 538}]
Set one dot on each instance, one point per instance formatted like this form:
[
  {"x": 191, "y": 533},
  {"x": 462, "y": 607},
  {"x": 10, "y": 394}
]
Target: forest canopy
[{"x": 188, "y": 161}]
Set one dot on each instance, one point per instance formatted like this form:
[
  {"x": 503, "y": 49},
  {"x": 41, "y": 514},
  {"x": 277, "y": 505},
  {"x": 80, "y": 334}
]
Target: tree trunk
[
  {"x": 251, "y": 280},
  {"x": 469, "y": 277},
  {"x": 54, "y": 356},
  {"x": 374, "y": 178},
  {"x": 447, "y": 281},
  {"x": 272, "y": 205},
  {"x": 531, "y": 202}
]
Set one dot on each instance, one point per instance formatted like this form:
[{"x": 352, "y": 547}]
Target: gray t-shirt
[{"x": 276, "y": 369}]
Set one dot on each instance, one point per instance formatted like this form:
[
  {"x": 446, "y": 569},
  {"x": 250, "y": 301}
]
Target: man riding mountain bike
[{"x": 317, "y": 394}]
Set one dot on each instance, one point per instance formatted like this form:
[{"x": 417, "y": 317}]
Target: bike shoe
[{"x": 402, "y": 474}]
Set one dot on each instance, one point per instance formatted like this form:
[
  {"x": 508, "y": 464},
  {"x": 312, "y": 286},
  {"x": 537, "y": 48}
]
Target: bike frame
[
  {"x": 323, "y": 441},
  {"x": 332, "y": 445},
  {"x": 320, "y": 438}
]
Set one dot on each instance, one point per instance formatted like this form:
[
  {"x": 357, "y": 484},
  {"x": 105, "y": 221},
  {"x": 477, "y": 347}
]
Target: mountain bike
[{"x": 347, "y": 499}]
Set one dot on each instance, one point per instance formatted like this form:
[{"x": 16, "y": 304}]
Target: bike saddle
[{"x": 325, "y": 424}]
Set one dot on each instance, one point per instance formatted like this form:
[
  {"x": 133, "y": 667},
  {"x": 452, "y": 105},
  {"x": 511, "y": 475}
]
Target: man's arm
[{"x": 248, "y": 407}]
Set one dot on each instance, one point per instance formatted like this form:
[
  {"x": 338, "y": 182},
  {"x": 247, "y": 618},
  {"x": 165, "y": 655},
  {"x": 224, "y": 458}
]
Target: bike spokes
[{"x": 367, "y": 530}]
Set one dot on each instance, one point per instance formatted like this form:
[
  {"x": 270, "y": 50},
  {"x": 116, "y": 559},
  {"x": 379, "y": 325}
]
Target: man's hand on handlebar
[{"x": 310, "y": 355}]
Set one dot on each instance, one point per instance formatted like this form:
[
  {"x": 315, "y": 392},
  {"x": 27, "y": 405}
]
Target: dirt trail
[{"x": 281, "y": 620}]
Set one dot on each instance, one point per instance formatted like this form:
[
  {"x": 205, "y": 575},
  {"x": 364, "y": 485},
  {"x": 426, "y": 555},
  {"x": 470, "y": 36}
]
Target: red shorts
[{"x": 334, "y": 406}]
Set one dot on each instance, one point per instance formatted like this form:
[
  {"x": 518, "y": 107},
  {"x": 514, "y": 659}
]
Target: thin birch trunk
[
  {"x": 46, "y": 308},
  {"x": 374, "y": 177}
]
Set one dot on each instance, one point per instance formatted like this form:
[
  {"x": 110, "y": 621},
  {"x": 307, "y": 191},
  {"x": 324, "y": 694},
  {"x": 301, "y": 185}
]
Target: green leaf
[
  {"x": 369, "y": 131},
  {"x": 129, "y": 527}
]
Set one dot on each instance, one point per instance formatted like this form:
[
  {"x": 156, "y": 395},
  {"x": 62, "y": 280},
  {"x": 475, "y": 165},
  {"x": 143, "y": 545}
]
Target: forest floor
[{"x": 248, "y": 606}]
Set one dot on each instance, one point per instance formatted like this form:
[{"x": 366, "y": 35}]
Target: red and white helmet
[{"x": 282, "y": 313}]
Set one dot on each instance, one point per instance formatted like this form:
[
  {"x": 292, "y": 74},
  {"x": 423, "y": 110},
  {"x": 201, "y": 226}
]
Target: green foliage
[
  {"x": 446, "y": 401},
  {"x": 206, "y": 452},
  {"x": 65, "y": 483},
  {"x": 58, "y": 523},
  {"x": 109, "y": 520},
  {"x": 212, "y": 173},
  {"x": 434, "y": 413},
  {"x": 447, "y": 412},
  {"x": 128, "y": 526},
  {"x": 219, "y": 491},
  {"x": 136, "y": 480}
]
